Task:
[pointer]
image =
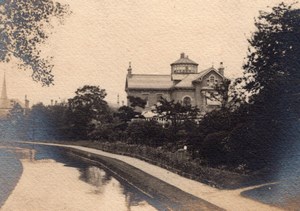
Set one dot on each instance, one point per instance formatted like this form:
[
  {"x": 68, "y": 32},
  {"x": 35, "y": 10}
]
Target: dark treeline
[{"x": 253, "y": 129}]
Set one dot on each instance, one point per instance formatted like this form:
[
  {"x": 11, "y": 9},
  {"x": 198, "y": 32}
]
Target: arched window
[
  {"x": 187, "y": 101},
  {"x": 211, "y": 81}
]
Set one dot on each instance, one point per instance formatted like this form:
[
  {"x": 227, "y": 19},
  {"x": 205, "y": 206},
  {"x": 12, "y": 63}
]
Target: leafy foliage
[
  {"x": 125, "y": 113},
  {"x": 177, "y": 114},
  {"x": 87, "y": 110},
  {"x": 39, "y": 123},
  {"x": 136, "y": 102},
  {"x": 23, "y": 28},
  {"x": 272, "y": 76},
  {"x": 273, "y": 62},
  {"x": 228, "y": 94},
  {"x": 146, "y": 132}
]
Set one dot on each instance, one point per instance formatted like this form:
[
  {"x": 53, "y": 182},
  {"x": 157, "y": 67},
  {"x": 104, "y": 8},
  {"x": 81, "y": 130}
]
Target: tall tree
[
  {"x": 87, "y": 110},
  {"x": 39, "y": 123},
  {"x": 273, "y": 65},
  {"x": 272, "y": 77},
  {"x": 24, "y": 26}
]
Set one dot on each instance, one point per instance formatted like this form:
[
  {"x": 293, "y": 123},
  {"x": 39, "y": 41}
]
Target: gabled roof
[
  {"x": 205, "y": 72},
  {"x": 145, "y": 81},
  {"x": 187, "y": 82}
]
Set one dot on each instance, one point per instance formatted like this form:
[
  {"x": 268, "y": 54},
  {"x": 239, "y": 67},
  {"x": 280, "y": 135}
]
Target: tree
[
  {"x": 17, "y": 122},
  {"x": 125, "y": 113},
  {"x": 272, "y": 77},
  {"x": 176, "y": 113},
  {"x": 87, "y": 110},
  {"x": 136, "y": 102},
  {"x": 59, "y": 128},
  {"x": 39, "y": 123},
  {"x": 228, "y": 94},
  {"x": 16, "y": 114},
  {"x": 24, "y": 26},
  {"x": 274, "y": 61},
  {"x": 148, "y": 133}
]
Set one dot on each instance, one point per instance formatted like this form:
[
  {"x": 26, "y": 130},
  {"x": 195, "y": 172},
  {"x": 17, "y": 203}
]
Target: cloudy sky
[{"x": 98, "y": 40}]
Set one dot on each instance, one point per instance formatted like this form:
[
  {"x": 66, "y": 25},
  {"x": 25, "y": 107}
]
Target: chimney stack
[
  {"x": 129, "y": 70},
  {"x": 221, "y": 69},
  {"x": 182, "y": 55}
]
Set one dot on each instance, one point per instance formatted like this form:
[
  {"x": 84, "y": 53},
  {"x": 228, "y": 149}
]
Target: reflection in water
[
  {"x": 110, "y": 188},
  {"x": 96, "y": 177}
]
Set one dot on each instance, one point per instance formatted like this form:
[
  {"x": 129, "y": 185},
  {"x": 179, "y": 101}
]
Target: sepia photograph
[{"x": 160, "y": 105}]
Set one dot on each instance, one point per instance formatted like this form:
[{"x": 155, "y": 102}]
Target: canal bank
[
  {"x": 227, "y": 199},
  {"x": 157, "y": 190}
]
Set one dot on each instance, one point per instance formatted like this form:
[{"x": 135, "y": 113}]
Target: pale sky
[{"x": 98, "y": 40}]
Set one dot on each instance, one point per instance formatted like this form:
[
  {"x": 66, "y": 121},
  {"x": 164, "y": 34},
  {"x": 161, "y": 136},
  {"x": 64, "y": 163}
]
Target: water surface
[{"x": 107, "y": 185}]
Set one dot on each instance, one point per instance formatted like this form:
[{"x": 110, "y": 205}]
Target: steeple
[{"x": 4, "y": 92}]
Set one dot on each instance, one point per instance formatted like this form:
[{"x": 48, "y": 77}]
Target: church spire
[{"x": 4, "y": 92}]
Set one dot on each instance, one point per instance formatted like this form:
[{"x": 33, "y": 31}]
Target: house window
[
  {"x": 212, "y": 79},
  {"x": 187, "y": 101},
  {"x": 187, "y": 69}
]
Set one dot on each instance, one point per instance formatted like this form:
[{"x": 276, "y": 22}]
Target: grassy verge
[
  {"x": 160, "y": 194},
  {"x": 177, "y": 162}
]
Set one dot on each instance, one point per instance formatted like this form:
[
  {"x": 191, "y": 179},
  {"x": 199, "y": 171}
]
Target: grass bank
[
  {"x": 177, "y": 162},
  {"x": 171, "y": 197}
]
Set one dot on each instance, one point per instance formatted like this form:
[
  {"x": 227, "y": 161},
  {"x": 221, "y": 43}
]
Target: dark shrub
[
  {"x": 149, "y": 133},
  {"x": 214, "y": 148}
]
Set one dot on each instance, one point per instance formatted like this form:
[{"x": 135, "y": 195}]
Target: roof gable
[{"x": 203, "y": 73}]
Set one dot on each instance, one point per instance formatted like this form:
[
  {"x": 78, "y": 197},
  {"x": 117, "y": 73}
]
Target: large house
[{"x": 185, "y": 84}]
